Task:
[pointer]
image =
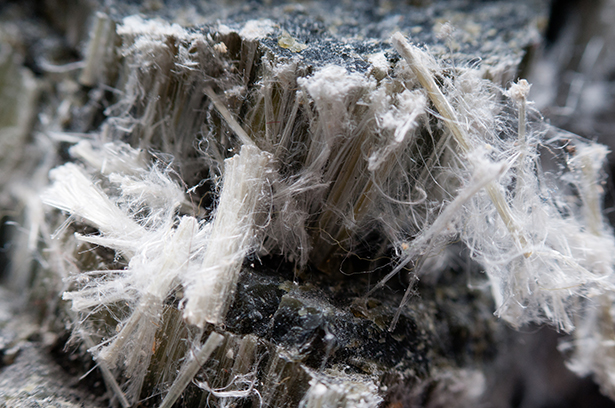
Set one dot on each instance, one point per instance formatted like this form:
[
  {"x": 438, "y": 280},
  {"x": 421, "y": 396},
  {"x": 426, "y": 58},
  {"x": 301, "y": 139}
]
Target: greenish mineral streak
[
  {"x": 190, "y": 368},
  {"x": 225, "y": 177}
]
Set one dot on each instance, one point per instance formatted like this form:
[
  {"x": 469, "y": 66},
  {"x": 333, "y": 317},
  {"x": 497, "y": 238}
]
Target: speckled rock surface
[
  {"x": 33, "y": 370},
  {"x": 310, "y": 339}
]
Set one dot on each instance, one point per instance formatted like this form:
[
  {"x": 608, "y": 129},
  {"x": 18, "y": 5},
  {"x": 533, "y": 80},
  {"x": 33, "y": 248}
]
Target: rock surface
[{"x": 300, "y": 330}]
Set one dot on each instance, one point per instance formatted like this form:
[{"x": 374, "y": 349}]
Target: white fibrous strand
[
  {"x": 141, "y": 224},
  {"x": 540, "y": 252},
  {"x": 190, "y": 368},
  {"x": 196, "y": 168},
  {"x": 344, "y": 395},
  {"x": 591, "y": 348},
  {"x": 233, "y": 235}
]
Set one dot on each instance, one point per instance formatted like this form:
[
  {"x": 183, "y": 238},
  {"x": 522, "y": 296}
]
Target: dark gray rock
[{"x": 311, "y": 338}]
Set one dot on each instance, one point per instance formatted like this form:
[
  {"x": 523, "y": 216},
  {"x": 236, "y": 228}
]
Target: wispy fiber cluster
[{"x": 212, "y": 154}]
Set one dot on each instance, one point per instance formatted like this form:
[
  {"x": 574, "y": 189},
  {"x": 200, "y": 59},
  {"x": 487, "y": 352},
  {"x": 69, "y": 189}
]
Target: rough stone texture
[
  {"x": 295, "y": 336},
  {"x": 34, "y": 371}
]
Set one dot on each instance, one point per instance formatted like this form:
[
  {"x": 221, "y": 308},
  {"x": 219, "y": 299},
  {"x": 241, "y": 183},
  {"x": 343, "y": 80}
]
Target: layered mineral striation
[{"x": 292, "y": 204}]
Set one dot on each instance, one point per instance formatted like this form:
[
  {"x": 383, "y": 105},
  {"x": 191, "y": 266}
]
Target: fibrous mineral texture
[{"x": 291, "y": 204}]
